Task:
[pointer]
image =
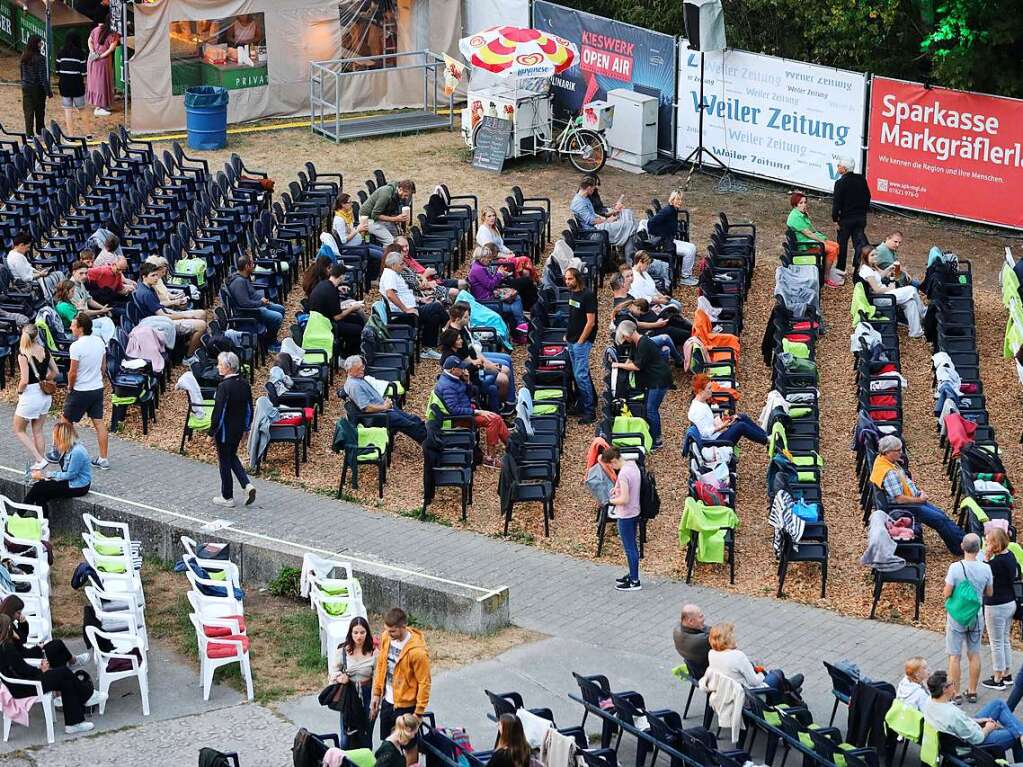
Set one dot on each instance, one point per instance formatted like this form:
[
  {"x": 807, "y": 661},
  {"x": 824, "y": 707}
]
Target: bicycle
[{"x": 586, "y": 149}]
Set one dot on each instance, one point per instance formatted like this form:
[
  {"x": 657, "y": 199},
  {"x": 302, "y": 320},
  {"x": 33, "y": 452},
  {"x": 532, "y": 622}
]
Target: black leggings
[
  {"x": 33, "y": 104},
  {"x": 349, "y": 332},
  {"x": 46, "y": 490}
]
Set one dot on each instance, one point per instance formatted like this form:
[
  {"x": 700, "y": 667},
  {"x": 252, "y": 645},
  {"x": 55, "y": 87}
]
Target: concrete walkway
[{"x": 563, "y": 597}]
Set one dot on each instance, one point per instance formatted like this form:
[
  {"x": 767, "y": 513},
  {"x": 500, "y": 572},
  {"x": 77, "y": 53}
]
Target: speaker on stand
[{"x": 705, "y": 31}]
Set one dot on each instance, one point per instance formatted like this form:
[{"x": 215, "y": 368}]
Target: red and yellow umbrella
[{"x": 518, "y": 52}]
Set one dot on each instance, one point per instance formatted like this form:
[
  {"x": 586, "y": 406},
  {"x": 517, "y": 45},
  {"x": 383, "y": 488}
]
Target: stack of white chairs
[
  {"x": 23, "y": 544},
  {"x": 120, "y": 645},
  {"x": 335, "y": 594},
  {"x": 218, "y": 616}
]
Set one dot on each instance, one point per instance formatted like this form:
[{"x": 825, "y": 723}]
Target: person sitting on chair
[
  {"x": 721, "y": 428},
  {"x": 368, "y": 399},
  {"x": 346, "y": 315},
  {"x": 663, "y": 226},
  {"x": 187, "y": 324},
  {"x": 247, "y": 296},
  {"x": 692, "y": 640},
  {"x": 899, "y": 489},
  {"x": 453, "y": 390},
  {"x": 912, "y": 689},
  {"x": 726, "y": 659},
  {"x": 618, "y": 222},
  {"x": 908, "y": 297},
  {"x": 994, "y": 725}
]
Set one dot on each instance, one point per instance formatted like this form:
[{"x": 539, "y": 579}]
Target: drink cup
[
  {"x": 406, "y": 211},
  {"x": 363, "y": 220}
]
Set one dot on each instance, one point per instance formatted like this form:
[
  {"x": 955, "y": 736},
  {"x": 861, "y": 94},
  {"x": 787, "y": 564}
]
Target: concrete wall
[{"x": 430, "y": 601}]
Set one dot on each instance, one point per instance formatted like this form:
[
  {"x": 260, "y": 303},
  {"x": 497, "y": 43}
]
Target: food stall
[
  {"x": 520, "y": 63},
  {"x": 229, "y": 53}
]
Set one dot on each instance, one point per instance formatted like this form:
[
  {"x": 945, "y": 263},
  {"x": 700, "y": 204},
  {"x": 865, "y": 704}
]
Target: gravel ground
[{"x": 441, "y": 157}]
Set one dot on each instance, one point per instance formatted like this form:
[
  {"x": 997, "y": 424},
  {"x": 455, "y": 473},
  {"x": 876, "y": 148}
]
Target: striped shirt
[
  {"x": 34, "y": 74},
  {"x": 71, "y": 73}
]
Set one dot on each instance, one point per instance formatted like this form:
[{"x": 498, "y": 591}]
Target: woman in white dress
[{"x": 34, "y": 365}]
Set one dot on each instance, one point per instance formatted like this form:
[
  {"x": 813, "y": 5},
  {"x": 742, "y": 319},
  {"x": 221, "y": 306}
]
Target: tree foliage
[{"x": 969, "y": 44}]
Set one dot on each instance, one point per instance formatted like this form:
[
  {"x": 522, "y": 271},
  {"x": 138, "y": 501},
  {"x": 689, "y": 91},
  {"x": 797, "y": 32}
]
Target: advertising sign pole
[{"x": 695, "y": 158}]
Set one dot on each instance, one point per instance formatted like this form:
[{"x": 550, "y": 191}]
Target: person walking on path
[
  {"x": 35, "y": 369},
  {"x": 580, "y": 332},
  {"x": 624, "y": 502},
  {"x": 35, "y": 85},
  {"x": 85, "y": 383},
  {"x": 232, "y": 416},
  {"x": 849, "y": 206},
  {"x": 966, "y": 583},
  {"x": 99, "y": 91},
  {"x": 401, "y": 682},
  {"x": 1000, "y": 607}
]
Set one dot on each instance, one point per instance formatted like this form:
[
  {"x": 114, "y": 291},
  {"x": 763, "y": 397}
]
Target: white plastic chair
[
  {"x": 45, "y": 699},
  {"x": 119, "y": 613},
  {"x": 99, "y": 532},
  {"x": 12, "y": 508},
  {"x": 226, "y": 650},
  {"x": 124, "y": 644},
  {"x": 334, "y": 627},
  {"x": 116, "y": 571}
]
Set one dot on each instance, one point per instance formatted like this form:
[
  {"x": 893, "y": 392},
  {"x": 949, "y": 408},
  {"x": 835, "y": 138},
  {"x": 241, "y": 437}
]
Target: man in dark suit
[
  {"x": 232, "y": 416},
  {"x": 849, "y": 207}
]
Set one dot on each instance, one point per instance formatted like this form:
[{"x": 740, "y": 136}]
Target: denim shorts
[
  {"x": 956, "y": 635},
  {"x": 72, "y": 102}
]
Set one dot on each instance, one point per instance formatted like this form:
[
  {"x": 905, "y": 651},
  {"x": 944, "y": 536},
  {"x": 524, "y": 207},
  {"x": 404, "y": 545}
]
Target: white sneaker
[
  {"x": 82, "y": 658},
  {"x": 228, "y": 502},
  {"x": 250, "y": 494},
  {"x": 95, "y": 699},
  {"x": 429, "y": 354},
  {"x": 689, "y": 281},
  {"x": 74, "y": 729},
  {"x": 101, "y": 112}
]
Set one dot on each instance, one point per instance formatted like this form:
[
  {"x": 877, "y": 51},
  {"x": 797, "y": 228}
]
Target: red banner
[{"x": 943, "y": 151}]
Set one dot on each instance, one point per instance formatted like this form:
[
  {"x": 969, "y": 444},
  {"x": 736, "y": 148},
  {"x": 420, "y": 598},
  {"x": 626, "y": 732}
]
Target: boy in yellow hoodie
[{"x": 401, "y": 680}]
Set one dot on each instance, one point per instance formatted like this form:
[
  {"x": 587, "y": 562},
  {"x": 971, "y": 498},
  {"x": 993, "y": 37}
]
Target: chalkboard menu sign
[{"x": 493, "y": 142}]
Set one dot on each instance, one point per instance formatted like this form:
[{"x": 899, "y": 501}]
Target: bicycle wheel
[{"x": 587, "y": 151}]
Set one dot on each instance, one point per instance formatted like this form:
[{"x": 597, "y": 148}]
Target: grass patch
[
  {"x": 417, "y": 513},
  {"x": 283, "y": 630}
]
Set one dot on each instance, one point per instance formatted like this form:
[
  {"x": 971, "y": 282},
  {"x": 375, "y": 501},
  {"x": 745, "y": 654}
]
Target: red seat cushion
[
  {"x": 223, "y": 631},
  {"x": 291, "y": 420},
  {"x": 224, "y": 650},
  {"x": 310, "y": 413}
]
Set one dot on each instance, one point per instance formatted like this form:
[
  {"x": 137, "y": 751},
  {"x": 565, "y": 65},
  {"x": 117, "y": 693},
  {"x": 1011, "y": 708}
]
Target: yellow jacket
[{"x": 411, "y": 679}]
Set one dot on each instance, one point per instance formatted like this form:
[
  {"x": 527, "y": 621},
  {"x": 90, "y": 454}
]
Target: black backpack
[
  {"x": 308, "y": 749},
  {"x": 649, "y": 500}
]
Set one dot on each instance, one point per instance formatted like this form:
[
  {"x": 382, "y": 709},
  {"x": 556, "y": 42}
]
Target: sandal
[{"x": 971, "y": 697}]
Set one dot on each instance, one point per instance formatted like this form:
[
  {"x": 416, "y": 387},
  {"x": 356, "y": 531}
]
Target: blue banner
[{"x": 612, "y": 55}]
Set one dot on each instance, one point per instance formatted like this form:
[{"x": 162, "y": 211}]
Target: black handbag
[{"x": 332, "y": 696}]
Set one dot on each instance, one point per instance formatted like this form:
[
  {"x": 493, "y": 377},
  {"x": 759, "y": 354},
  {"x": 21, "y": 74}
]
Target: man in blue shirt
[
  {"x": 149, "y": 303},
  {"x": 367, "y": 399},
  {"x": 619, "y": 222}
]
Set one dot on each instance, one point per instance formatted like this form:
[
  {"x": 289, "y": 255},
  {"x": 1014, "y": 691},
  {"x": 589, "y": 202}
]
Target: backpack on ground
[
  {"x": 649, "y": 499},
  {"x": 308, "y": 749}
]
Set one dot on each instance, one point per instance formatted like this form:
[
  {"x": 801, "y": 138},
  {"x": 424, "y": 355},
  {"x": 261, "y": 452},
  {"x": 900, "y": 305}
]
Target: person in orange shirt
[{"x": 401, "y": 680}]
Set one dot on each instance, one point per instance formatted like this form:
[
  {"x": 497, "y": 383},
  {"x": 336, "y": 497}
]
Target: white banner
[{"x": 770, "y": 117}]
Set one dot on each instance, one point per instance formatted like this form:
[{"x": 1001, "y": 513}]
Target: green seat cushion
[
  {"x": 25, "y": 528},
  {"x": 361, "y": 757},
  {"x": 335, "y": 607},
  {"x": 110, "y": 564},
  {"x": 334, "y": 587},
  {"x": 375, "y": 438},
  {"x": 217, "y": 575},
  {"x": 799, "y": 412},
  {"x": 542, "y": 394},
  {"x": 112, "y": 549},
  {"x": 545, "y": 409}
]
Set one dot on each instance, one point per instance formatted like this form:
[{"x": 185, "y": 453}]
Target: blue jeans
[
  {"x": 1017, "y": 690},
  {"x": 627, "y": 529},
  {"x": 408, "y": 424},
  {"x": 514, "y": 307},
  {"x": 743, "y": 426},
  {"x": 668, "y": 345},
  {"x": 362, "y": 739},
  {"x": 272, "y": 316},
  {"x": 580, "y": 356},
  {"x": 654, "y": 398},
  {"x": 1012, "y": 728},
  {"x": 942, "y": 524},
  {"x": 500, "y": 358}
]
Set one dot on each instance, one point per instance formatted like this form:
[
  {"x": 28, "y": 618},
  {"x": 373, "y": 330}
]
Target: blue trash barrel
[{"x": 206, "y": 116}]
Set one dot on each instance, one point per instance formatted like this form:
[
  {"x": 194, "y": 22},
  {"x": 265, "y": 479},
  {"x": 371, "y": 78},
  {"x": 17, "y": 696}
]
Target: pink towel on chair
[
  {"x": 15, "y": 709},
  {"x": 333, "y": 757}
]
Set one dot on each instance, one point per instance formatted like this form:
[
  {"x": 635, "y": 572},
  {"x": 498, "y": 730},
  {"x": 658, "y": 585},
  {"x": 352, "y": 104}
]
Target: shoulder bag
[{"x": 46, "y": 386}]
